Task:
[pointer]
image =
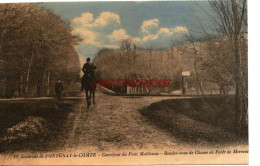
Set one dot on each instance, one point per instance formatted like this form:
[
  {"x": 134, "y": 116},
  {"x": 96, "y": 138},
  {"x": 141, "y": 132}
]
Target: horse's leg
[
  {"x": 90, "y": 91},
  {"x": 94, "y": 96},
  {"x": 87, "y": 97}
]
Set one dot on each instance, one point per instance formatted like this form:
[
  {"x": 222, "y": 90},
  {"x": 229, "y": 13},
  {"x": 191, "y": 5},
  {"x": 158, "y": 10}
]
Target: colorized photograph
[{"x": 124, "y": 82}]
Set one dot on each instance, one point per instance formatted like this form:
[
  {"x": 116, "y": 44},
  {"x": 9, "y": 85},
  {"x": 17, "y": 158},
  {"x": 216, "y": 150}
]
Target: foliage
[
  {"x": 36, "y": 48},
  {"x": 231, "y": 22},
  {"x": 29, "y": 128},
  {"x": 152, "y": 63}
]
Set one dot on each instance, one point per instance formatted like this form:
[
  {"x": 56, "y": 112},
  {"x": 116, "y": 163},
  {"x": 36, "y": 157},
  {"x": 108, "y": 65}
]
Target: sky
[{"x": 105, "y": 24}]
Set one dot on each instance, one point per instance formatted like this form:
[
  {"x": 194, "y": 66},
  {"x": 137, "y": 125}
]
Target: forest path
[{"x": 115, "y": 123}]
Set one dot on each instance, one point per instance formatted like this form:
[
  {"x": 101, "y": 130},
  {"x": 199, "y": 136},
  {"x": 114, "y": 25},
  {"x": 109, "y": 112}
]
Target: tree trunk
[
  {"x": 5, "y": 89},
  {"x": 21, "y": 86},
  {"x": 38, "y": 89},
  {"x": 240, "y": 113},
  {"x": 150, "y": 60},
  {"x": 197, "y": 76},
  {"x": 48, "y": 84},
  {"x": 196, "y": 70},
  {"x": 43, "y": 82},
  {"x": 195, "y": 64},
  {"x": 28, "y": 74}
]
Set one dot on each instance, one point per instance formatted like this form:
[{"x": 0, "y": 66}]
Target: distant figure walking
[{"x": 58, "y": 89}]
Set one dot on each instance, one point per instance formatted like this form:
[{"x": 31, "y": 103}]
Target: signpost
[
  {"x": 184, "y": 86},
  {"x": 185, "y": 73}
]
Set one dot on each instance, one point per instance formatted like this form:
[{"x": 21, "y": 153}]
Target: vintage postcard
[{"x": 124, "y": 83}]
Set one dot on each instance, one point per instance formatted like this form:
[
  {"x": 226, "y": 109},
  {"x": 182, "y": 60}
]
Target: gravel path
[{"x": 115, "y": 123}]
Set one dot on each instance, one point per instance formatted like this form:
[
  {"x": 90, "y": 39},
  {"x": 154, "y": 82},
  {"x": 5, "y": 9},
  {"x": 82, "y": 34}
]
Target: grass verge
[
  {"x": 195, "y": 119},
  {"x": 32, "y": 124}
]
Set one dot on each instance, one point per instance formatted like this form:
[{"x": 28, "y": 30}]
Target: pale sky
[{"x": 104, "y": 24}]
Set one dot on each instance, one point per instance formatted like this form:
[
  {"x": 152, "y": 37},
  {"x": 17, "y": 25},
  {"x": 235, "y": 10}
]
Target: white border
[
  {"x": 254, "y": 82},
  {"x": 254, "y": 70}
]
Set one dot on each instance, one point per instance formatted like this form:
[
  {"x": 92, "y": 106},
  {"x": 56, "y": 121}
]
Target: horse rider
[{"x": 89, "y": 73}]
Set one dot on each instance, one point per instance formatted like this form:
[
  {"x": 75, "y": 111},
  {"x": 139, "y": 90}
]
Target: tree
[
  {"x": 37, "y": 48},
  {"x": 196, "y": 55},
  {"x": 241, "y": 112},
  {"x": 125, "y": 46},
  {"x": 230, "y": 20},
  {"x": 219, "y": 64}
]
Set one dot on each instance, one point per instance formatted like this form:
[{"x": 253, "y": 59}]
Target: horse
[
  {"x": 90, "y": 86},
  {"x": 90, "y": 89}
]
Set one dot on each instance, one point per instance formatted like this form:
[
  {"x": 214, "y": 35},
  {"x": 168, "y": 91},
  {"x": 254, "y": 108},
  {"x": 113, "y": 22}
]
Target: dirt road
[
  {"x": 111, "y": 126},
  {"x": 115, "y": 123}
]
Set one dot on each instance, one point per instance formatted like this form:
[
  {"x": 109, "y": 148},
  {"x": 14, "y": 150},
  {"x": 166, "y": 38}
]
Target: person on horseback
[
  {"x": 87, "y": 81},
  {"x": 89, "y": 73}
]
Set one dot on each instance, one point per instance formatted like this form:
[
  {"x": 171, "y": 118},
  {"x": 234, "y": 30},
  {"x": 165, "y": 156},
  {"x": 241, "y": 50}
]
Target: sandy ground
[{"x": 115, "y": 123}]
